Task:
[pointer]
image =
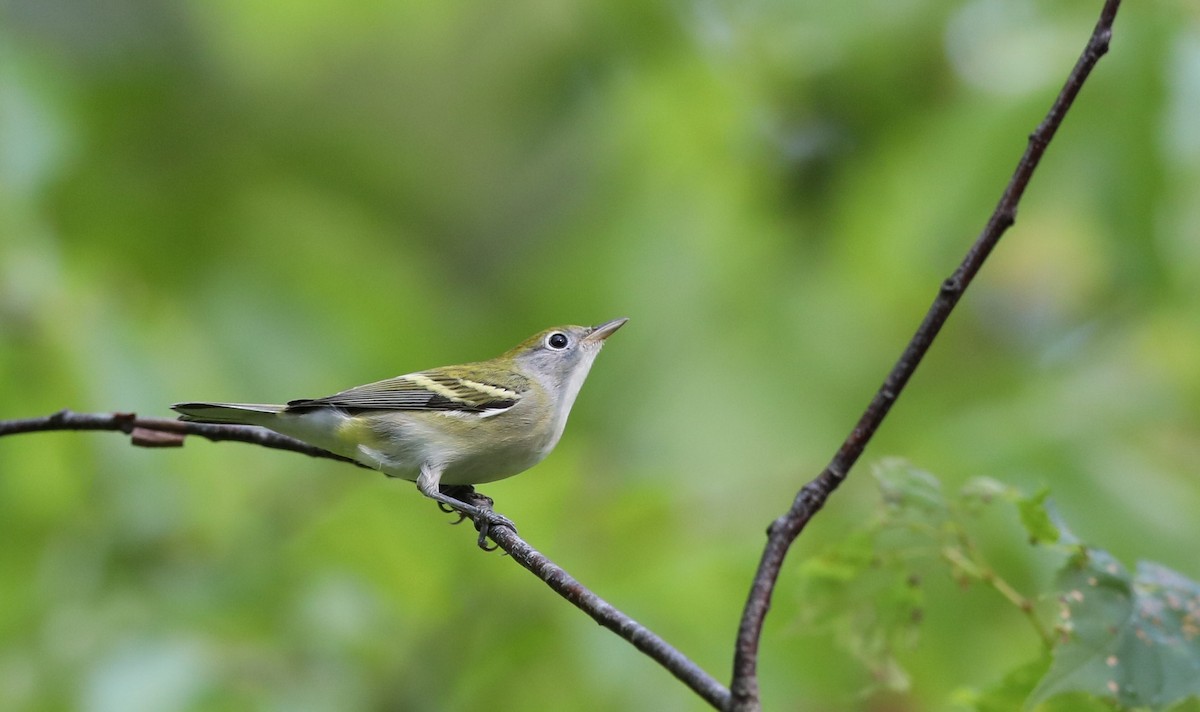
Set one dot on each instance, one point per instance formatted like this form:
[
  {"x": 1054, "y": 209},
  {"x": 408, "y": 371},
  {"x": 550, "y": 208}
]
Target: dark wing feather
[{"x": 429, "y": 390}]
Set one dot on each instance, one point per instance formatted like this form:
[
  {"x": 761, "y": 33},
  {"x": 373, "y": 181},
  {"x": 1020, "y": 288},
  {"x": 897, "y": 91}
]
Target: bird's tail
[{"x": 229, "y": 413}]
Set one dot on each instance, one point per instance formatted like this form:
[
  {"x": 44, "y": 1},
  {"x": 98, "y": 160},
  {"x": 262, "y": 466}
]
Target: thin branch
[
  {"x": 783, "y": 531},
  {"x": 164, "y": 432},
  {"x": 972, "y": 564},
  {"x": 743, "y": 693},
  {"x": 608, "y": 616},
  {"x": 160, "y": 432}
]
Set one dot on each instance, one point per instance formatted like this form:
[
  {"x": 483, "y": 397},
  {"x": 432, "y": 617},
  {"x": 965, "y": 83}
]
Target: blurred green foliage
[
  {"x": 270, "y": 200},
  {"x": 1111, "y": 639}
]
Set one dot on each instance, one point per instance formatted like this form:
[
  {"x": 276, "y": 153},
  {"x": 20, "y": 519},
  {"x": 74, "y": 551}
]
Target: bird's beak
[{"x": 602, "y": 332}]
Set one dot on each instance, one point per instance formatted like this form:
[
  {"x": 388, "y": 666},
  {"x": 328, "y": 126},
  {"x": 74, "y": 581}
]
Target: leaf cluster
[{"x": 1112, "y": 638}]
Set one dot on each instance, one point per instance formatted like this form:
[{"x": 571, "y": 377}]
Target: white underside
[{"x": 400, "y": 443}]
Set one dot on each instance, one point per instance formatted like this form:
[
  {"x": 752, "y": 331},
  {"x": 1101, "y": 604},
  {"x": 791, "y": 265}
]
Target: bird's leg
[
  {"x": 464, "y": 493},
  {"x": 484, "y": 518},
  {"x": 467, "y": 493}
]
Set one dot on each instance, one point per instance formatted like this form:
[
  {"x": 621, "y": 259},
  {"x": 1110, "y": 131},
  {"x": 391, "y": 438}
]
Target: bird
[{"x": 449, "y": 426}]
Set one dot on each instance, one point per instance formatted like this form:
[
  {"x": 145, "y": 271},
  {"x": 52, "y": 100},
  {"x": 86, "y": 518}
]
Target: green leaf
[
  {"x": 979, "y": 492},
  {"x": 1036, "y": 517},
  {"x": 1191, "y": 704},
  {"x": 1010, "y": 692},
  {"x": 908, "y": 490},
  {"x": 865, "y": 595},
  {"x": 841, "y": 563},
  {"x": 1132, "y": 640}
]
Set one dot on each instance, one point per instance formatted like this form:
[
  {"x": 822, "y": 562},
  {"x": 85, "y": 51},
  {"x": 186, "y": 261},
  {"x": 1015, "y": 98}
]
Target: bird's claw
[
  {"x": 478, "y": 508},
  {"x": 451, "y": 510},
  {"x": 484, "y": 523},
  {"x": 483, "y": 540}
]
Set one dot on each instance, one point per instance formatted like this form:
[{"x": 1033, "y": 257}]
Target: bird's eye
[{"x": 557, "y": 341}]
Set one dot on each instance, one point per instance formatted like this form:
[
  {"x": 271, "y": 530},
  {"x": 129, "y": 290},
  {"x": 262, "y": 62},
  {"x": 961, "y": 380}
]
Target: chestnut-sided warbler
[{"x": 454, "y": 425}]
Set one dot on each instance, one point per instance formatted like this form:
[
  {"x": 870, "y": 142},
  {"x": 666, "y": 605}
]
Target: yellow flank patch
[
  {"x": 353, "y": 431},
  {"x": 490, "y": 390}
]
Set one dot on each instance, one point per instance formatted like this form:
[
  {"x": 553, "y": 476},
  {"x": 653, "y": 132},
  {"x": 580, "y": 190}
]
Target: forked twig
[{"x": 743, "y": 694}]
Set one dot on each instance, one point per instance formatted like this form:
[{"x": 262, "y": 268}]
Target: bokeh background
[{"x": 270, "y": 200}]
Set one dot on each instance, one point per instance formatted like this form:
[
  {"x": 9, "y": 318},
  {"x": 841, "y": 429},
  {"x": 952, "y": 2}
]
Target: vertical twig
[{"x": 783, "y": 531}]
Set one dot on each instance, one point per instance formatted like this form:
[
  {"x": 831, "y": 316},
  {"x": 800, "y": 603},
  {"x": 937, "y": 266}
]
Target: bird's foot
[{"x": 477, "y": 507}]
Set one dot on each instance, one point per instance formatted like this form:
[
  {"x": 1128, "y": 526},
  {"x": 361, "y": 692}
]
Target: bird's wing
[{"x": 438, "y": 389}]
